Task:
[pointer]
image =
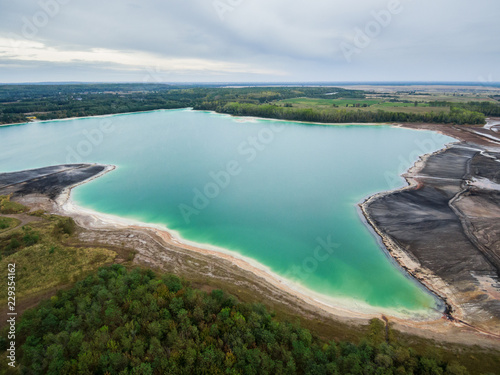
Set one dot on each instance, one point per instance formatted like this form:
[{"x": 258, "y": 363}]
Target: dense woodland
[
  {"x": 19, "y": 102},
  {"x": 457, "y": 115},
  {"x": 45, "y": 102},
  {"x": 137, "y": 322}
]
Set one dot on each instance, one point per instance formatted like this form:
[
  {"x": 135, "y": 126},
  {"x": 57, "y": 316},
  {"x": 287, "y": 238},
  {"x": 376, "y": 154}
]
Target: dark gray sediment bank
[
  {"x": 48, "y": 181},
  {"x": 447, "y": 227}
]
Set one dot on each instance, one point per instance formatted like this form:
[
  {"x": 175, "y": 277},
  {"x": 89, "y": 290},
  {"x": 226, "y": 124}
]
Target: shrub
[{"x": 8, "y": 207}]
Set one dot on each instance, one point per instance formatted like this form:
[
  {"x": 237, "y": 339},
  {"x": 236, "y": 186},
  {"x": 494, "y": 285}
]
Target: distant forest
[{"x": 20, "y": 103}]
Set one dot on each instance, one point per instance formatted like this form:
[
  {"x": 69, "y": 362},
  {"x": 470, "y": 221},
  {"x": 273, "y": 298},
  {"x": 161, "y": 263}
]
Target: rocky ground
[
  {"x": 445, "y": 227},
  {"x": 49, "y": 181}
]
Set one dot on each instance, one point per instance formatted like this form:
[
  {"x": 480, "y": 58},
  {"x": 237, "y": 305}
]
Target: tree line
[
  {"x": 46, "y": 102},
  {"x": 455, "y": 116}
]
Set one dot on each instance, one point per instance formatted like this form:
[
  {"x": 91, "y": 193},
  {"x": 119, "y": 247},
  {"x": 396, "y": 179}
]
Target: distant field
[
  {"x": 422, "y": 108},
  {"x": 328, "y": 102},
  {"x": 459, "y": 98},
  {"x": 439, "y": 97},
  {"x": 370, "y": 104}
]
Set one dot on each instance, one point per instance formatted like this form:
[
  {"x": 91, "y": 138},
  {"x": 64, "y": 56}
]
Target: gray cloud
[{"x": 256, "y": 40}]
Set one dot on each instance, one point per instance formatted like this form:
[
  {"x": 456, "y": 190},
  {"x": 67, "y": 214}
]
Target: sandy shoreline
[
  {"x": 244, "y": 118},
  {"x": 347, "y": 308},
  {"x": 432, "y": 325},
  {"x": 253, "y": 118},
  {"x": 335, "y": 306},
  {"x": 432, "y": 283},
  {"x": 97, "y": 116}
]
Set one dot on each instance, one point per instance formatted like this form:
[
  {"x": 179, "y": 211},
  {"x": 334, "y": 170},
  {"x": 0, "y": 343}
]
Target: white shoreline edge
[
  {"x": 338, "y": 306},
  {"x": 190, "y": 109},
  {"x": 344, "y": 307},
  {"x": 96, "y": 116}
]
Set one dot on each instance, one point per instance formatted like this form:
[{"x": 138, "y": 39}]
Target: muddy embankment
[{"x": 445, "y": 227}]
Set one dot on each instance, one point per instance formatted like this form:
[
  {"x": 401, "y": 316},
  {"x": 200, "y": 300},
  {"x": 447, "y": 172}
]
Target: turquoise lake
[{"x": 284, "y": 194}]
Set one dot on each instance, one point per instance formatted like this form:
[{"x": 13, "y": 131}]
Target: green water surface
[{"x": 284, "y": 194}]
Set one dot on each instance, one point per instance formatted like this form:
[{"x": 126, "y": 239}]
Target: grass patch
[
  {"x": 46, "y": 257},
  {"x": 401, "y": 104},
  {"x": 64, "y": 225},
  {"x": 368, "y": 105},
  {"x": 310, "y": 102},
  {"x": 476, "y": 359},
  {"x": 409, "y": 108},
  {"x": 8, "y": 207},
  {"x": 447, "y": 97},
  {"x": 18, "y": 240},
  {"x": 7, "y": 223},
  {"x": 42, "y": 267},
  {"x": 37, "y": 213}
]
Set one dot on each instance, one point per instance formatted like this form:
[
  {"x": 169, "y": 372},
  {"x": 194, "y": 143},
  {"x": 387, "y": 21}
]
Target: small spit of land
[{"x": 49, "y": 181}]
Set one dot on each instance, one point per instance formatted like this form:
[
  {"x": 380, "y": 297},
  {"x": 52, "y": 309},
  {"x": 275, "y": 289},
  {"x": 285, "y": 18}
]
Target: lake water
[{"x": 284, "y": 194}]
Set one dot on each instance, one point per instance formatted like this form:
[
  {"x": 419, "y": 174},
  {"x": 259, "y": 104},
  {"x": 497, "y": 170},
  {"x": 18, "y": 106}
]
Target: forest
[
  {"x": 45, "y": 102},
  {"x": 22, "y": 103},
  {"x": 457, "y": 115},
  {"x": 119, "y": 321}
]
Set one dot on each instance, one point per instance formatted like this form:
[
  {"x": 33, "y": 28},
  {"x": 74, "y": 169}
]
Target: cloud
[
  {"x": 23, "y": 50},
  {"x": 258, "y": 39}
]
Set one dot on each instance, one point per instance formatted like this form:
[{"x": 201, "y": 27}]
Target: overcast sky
[{"x": 249, "y": 40}]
